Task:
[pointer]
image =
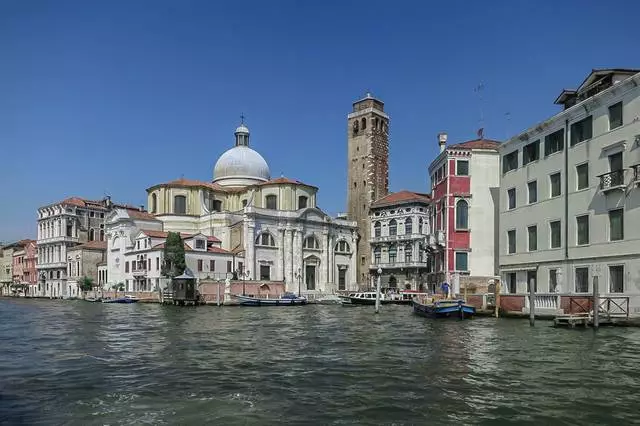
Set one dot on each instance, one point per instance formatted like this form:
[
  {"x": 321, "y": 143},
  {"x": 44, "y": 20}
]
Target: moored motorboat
[
  {"x": 287, "y": 299},
  {"x": 369, "y": 298},
  {"x": 124, "y": 299},
  {"x": 329, "y": 299},
  {"x": 446, "y": 308}
]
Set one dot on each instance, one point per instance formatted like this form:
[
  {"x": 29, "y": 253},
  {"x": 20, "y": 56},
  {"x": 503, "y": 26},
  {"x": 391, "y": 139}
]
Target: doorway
[{"x": 310, "y": 277}]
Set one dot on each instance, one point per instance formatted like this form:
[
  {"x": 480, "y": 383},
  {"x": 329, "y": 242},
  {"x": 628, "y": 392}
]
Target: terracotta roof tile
[
  {"x": 190, "y": 183},
  {"x": 477, "y": 144},
  {"x": 161, "y": 246},
  {"x": 140, "y": 215},
  {"x": 402, "y": 197},
  {"x": 92, "y": 245},
  {"x": 218, "y": 250},
  {"x": 284, "y": 180}
]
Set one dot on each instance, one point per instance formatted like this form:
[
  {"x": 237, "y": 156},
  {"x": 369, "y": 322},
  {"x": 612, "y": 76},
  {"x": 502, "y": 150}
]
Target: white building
[
  {"x": 569, "y": 193},
  {"x": 399, "y": 230},
  {"x": 273, "y": 224}
]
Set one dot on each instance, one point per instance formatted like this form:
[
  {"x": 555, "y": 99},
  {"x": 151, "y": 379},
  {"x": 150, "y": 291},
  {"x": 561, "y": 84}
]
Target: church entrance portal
[{"x": 310, "y": 277}]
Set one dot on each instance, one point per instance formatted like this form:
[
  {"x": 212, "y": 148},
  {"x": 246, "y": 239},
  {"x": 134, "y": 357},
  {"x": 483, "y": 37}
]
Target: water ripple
[{"x": 83, "y": 364}]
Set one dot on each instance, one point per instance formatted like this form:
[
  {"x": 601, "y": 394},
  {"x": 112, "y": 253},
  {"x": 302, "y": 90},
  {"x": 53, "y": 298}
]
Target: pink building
[
  {"x": 464, "y": 186},
  {"x": 24, "y": 266}
]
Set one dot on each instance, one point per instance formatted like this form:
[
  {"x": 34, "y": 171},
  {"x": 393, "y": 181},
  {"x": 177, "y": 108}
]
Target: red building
[
  {"x": 24, "y": 265},
  {"x": 465, "y": 180}
]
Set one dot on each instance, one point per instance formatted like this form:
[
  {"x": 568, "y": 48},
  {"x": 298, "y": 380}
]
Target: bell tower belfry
[{"x": 368, "y": 171}]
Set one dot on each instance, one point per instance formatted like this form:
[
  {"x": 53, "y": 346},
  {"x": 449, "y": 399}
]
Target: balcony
[
  {"x": 398, "y": 237},
  {"x": 139, "y": 272},
  {"x": 612, "y": 181},
  {"x": 636, "y": 174},
  {"x": 400, "y": 265}
]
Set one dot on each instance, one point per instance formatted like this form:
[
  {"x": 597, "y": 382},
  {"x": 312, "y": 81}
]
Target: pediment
[{"x": 314, "y": 214}]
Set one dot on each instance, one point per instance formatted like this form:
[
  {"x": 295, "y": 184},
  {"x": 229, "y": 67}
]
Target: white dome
[{"x": 240, "y": 165}]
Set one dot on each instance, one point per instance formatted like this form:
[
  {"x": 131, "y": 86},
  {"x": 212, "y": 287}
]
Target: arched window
[
  {"x": 408, "y": 226},
  {"x": 343, "y": 247},
  {"x": 180, "y": 204},
  {"x": 376, "y": 123},
  {"x": 356, "y": 127},
  {"x": 265, "y": 239},
  {"x": 420, "y": 253},
  {"x": 364, "y": 123},
  {"x": 377, "y": 229},
  {"x": 311, "y": 242},
  {"x": 217, "y": 205},
  {"x": 102, "y": 235},
  {"x": 462, "y": 215},
  {"x": 393, "y": 253},
  {"x": 420, "y": 224},
  {"x": 377, "y": 255},
  {"x": 244, "y": 203},
  {"x": 154, "y": 203},
  {"x": 408, "y": 253},
  {"x": 91, "y": 234},
  {"x": 302, "y": 202},
  {"x": 271, "y": 202},
  {"x": 393, "y": 227}
]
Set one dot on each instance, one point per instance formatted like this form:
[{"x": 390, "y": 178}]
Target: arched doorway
[
  {"x": 393, "y": 281},
  {"x": 311, "y": 268}
]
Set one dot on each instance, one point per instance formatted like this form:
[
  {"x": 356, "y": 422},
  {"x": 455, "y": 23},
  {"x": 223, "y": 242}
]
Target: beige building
[
  {"x": 368, "y": 171},
  {"x": 570, "y": 194},
  {"x": 82, "y": 261},
  {"x": 272, "y": 226}
]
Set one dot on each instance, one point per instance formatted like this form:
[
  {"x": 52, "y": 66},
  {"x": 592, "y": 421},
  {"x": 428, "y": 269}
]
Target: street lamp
[
  {"x": 378, "y": 290},
  {"x": 298, "y": 276}
]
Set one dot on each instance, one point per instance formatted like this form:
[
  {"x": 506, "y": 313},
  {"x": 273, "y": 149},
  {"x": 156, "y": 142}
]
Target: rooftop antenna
[{"x": 479, "y": 89}]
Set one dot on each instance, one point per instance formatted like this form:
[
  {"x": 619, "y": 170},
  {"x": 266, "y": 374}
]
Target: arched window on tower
[
  {"x": 356, "y": 127},
  {"x": 377, "y": 229},
  {"x": 462, "y": 215},
  {"x": 271, "y": 202},
  {"x": 408, "y": 226},
  {"x": 364, "y": 123},
  {"x": 375, "y": 123},
  {"x": 180, "y": 204},
  {"x": 302, "y": 202},
  {"x": 154, "y": 203},
  {"x": 393, "y": 227},
  {"x": 217, "y": 205}
]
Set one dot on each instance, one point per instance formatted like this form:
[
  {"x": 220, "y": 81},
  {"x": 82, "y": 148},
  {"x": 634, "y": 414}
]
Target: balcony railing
[
  {"x": 612, "y": 180},
  {"x": 139, "y": 272},
  {"x": 398, "y": 237},
  {"x": 636, "y": 174},
  {"x": 397, "y": 264}
]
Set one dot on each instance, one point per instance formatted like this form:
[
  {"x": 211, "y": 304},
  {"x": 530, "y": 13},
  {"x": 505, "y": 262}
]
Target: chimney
[
  {"x": 141, "y": 208},
  {"x": 442, "y": 141}
]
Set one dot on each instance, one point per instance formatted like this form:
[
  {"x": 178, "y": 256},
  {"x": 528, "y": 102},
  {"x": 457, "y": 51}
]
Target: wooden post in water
[
  {"x": 378, "y": 290},
  {"x": 497, "y": 297},
  {"x": 465, "y": 288},
  {"x": 218, "y": 295},
  {"x": 532, "y": 296},
  {"x": 596, "y": 303}
]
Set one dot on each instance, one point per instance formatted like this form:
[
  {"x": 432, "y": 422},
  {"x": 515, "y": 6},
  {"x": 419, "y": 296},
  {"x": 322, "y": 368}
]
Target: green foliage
[
  {"x": 86, "y": 284},
  {"x": 174, "y": 262},
  {"x": 118, "y": 287}
]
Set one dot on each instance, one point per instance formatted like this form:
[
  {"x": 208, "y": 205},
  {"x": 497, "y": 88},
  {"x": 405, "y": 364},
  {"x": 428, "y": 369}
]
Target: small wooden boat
[
  {"x": 125, "y": 299},
  {"x": 287, "y": 299},
  {"x": 443, "y": 309}
]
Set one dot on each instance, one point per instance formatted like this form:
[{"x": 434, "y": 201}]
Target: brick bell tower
[{"x": 368, "y": 171}]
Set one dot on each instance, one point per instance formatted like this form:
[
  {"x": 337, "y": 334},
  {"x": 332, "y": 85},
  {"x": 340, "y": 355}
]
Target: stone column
[
  {"x": 297, "y": 251},
  {"x": 324, "y": 267},
  {"x": 280, "y": 271},
  {"x": 249, "y": 251}
]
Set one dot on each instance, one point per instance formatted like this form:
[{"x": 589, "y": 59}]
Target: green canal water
[{"x": 78, "y": 363}]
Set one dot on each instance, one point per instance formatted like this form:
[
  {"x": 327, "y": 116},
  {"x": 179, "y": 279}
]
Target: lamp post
[
  {"x": 298, "y": 276},
  {"x": 378, "y": 290}
]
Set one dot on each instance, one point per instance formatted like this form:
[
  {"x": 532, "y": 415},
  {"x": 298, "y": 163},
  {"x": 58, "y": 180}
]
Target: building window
[
  {"x": 582, "y": 176},
  {"x": 531, "y": 153},
  {"x": 311, "y": 242},
  {"x": 532, "y": 276},
  {"x": 582, "y": 225},
  {"x": 511, "y": 199},
  {"x": 302, "y": 202},
  {"x": 212, "y": 265},
  {"x": 532, "y": 235},
  {"x": 616, "y": 225},
  {"x": 364, "y": 123},
  {"x": 265, "y": 272},
  {"x": 582, "y": 280},
  {"x": 616, "y": 279},
  {"x": 393, "y": 227},
  {"x": 91, "y": 234},
  {"x": 126, "y": 267},
  {"x": 553, "y": 280},
  {"x": 342, "y": 279},
  {"x": 615, "y": 165},
  {"x": 554, "y": 180},
  {"x": 272, "y": 202},
  {"x": 265, "y": 239},
  {"x": 511, "y": 283},
  {"x": 157, "y": 263},
  {"x": 462, "y": 261},
  {"x": 393, "y": 251},
  {"x": 200, "y": 244},
  {"x": 180, "y": 204},
  {"x": 408, "y": 253},
  {"x": 554, "y": 228},
  {"x": 554, "y": 142},
  {"x": 420, "y": 225},
  {"x": 217, "y": 205},
  {"x": 200, "y": 265},
  {"x": 343, "y": 247},
  {"x": 244, "y": 203},
  {"x": 230, "y": 266},
  {"x": 377, "y": 229},
  {"x": 154, "y": 203},
  {"x": 462, "y": 168},
  {"x": 532, "y": 188},
  {"x": 581, "y": 130},
  {"x": 462, "y": 215},
  {"x": 377, "y": 255},
  {"x": 408, "y": 226},
  {"x": 510, "y": 162},
  {"x": 511, "y": 241},
  {"x": 615, "y": 116}
]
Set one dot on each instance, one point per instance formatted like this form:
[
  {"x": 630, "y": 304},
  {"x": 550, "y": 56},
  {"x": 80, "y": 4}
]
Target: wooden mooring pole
[
  {"x": 497, "y": 301},
  {"x": 532, "y": 302},
  {"x": 596, "y": 303},
  {"x": 378, "y": 291}
]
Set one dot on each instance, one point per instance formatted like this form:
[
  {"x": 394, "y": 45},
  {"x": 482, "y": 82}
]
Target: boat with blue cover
[
  {"x": 445, "y": 308},
  {"x": 124, "y": 299},
  {"x": 287, "y": 299}
]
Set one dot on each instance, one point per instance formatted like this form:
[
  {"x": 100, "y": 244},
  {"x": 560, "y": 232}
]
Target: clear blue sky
[{"x": 114, "y": 96}]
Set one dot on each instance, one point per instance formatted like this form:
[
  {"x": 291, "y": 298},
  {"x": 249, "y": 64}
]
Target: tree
[
  {"x": 85, "y": 284},
  {"x": 174, "y": 262},
  {"x": 117, "y": 287}
]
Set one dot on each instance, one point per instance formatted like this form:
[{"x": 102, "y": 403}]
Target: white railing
[{"x": 543, "y": 301}]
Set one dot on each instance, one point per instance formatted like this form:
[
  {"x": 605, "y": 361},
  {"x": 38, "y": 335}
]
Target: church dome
[{"x": 241, "y": 165}]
